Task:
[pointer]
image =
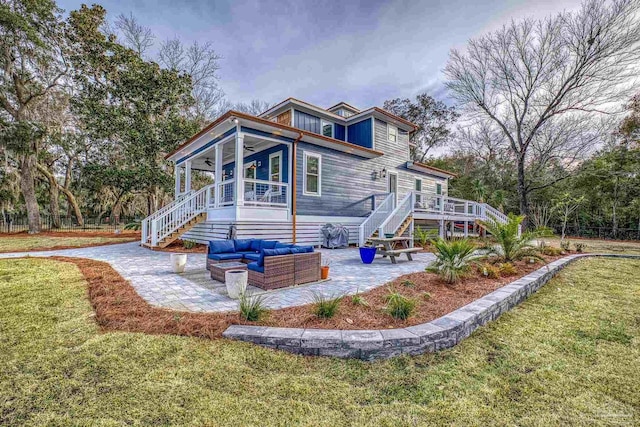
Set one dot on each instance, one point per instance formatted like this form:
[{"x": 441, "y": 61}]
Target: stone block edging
[{"x": 438, "y": 334}]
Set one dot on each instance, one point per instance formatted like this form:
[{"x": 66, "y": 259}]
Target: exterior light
[{"x": 383, "y": 173}]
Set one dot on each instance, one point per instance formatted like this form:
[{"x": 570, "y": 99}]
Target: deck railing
[
  {"x": 397, "y": 217},
  {"x": 146, "y": 223},
  {"x": 225, "y": 193},
  {"x": 377, "y": 217}
]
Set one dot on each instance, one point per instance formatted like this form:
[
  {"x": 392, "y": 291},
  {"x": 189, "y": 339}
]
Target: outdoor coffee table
[{"x": 218, "y": 270}]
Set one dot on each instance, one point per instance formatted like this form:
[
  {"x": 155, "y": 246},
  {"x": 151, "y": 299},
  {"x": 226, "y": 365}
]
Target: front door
[{"x": 392, "y": 185}]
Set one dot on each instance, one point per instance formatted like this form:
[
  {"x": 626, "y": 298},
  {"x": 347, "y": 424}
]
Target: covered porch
[{"x": 246, "y": 176}]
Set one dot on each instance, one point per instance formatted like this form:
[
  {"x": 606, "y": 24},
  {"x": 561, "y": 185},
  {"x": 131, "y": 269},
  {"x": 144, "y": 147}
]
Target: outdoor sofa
[{"x": 271, "y": 264}]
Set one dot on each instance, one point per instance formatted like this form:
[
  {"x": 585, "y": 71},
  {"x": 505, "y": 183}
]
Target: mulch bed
[
  {"x": 79, "y": 233},
  {"x": 119, "y": 307},
  {"x": 178, "y": 246}
]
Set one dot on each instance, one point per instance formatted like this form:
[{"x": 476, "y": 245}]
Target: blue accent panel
[
  {"x": 338, "y": 131},
  {"x": 361, "y": 133},
  {"x": 208, "y": 144},
  {"x": 306, "y": 121},
  {"x": 262, "y": 171}
]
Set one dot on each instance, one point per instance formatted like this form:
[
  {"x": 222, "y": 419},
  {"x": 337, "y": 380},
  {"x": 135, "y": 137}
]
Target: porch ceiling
[{"x": 205, "y": 161}]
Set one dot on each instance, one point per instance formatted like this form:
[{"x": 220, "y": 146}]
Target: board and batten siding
[{"x": 347, "y": 181}]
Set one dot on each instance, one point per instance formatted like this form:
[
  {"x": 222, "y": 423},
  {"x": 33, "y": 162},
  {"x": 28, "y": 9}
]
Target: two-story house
[{"x": 283, "y": 174}]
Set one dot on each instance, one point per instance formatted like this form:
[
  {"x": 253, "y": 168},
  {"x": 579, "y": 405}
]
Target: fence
[
  {"x": 17, "y": 223},
  {"x": 599, "y": 232}
]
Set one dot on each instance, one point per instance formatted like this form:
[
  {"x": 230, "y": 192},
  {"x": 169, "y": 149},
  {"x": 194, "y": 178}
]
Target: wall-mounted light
[
  {"x": 253, "y": 166},
  {"x": 383, "y": 173}
]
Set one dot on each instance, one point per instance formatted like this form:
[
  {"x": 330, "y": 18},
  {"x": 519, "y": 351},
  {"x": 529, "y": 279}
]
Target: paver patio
[{"x": 150, "y": 274}]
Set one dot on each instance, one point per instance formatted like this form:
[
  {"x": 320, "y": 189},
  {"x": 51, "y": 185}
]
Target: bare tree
[
  {"x": 136, "y": 36},
  {"x": 201, "y": 62},
  {"x": 532, "y": 73},
  {"x": 255, "y": 107}
]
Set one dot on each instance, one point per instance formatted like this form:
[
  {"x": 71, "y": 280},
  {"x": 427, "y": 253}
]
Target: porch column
[
  {"x": 441, "y": 229},
  {"x": 466, "y": 229},
  {"x": 239, "y": 169},
  {"x": 187, "y": 176},
  {"x": 452, "y": 227},
  {"x": 176, "y": 175},
  {"x": 217, "y": 149}
]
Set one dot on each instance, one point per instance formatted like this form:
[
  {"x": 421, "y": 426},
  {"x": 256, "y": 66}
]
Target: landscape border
[{"x": 444, "y": 332}]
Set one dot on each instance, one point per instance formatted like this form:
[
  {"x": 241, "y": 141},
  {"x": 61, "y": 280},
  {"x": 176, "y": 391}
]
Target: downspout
[{"x": 294, "y": 186}]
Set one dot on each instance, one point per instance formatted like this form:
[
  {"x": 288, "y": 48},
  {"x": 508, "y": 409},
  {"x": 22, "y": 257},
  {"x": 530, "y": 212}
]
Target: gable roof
[{"x": 343, "y": 105}]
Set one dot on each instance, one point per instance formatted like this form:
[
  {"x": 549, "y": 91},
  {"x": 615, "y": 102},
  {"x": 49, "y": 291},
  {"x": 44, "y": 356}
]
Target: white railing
[
  {"x": 146, "y": 223},
  {"x": 444, "y": 205},
  {"x": 397, "y": 217},
  {"x": 266, "y": 193},
  {"x": 377, "y": 217},
  {"x": 225, "y": 192},
  {"x": 180, "y": 213}
]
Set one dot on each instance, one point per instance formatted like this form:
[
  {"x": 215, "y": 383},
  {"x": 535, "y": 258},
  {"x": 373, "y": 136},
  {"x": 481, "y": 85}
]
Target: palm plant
[
  {"x": 454, "y": 259},
  {"x": 510, "y": 244}
]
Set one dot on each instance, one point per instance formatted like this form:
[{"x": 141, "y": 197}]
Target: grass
[
  {"x": 593, "y": 245},
  {"x": 21, "y": 243},
  {"x": 568, "y": 355}
]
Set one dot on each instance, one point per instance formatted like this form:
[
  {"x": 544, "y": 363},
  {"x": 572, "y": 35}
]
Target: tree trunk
[
  {"x": 73, "y": 203},
  {"x": 54, "y": 205},
  {"x": 27, "y": 186},
  {"x": 522, "y": 194}
]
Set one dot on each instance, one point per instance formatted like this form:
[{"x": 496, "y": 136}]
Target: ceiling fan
[
  {"x": 208, "y": 162},
  {"x": 250, "y": 149}
]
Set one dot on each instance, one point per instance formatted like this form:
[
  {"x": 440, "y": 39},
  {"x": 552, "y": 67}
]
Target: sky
[{"x": 323, "y": 52}]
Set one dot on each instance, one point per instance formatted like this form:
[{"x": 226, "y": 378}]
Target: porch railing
[
  {"x": 225, "y": 193},
  {"x": 377, "y": 217},
  {"x": 397, "y": 217},
  {"x": 266, "y": 193}
]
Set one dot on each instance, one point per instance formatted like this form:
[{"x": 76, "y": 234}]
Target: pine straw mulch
[
  {"x": 178, "y": 246},
  {"x": 118, "y": 306}
]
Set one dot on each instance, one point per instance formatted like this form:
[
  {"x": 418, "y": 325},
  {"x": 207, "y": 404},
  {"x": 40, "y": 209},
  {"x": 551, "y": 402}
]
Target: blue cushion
[
  {"x": 269, "y": 244},
  {"x": 224, "y": 257},
  {"x": 255, "y": 267},
  {"x": 256, "y": 245},
  {"x": 283, "y": 245},
  {"x": 247, "y": 253},
  {"x": 272, "y": 252},
  {"x": 242, "y": 244},
  {"x": 301, "y": 249},
  {"x": 221, "y": 247},
  {"x": 252, "y": 256}
]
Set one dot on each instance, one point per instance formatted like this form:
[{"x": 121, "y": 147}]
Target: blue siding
[
  {"x": 361, "y": 133},
  {"x": 306, "y": 121},
  {"x": 338, "y": 131},
  {"x": 262, "y": 171}
]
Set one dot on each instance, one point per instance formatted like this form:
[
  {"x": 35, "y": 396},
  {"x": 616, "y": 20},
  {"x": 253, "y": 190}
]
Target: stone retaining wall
[{"x": 441, "y": 333}]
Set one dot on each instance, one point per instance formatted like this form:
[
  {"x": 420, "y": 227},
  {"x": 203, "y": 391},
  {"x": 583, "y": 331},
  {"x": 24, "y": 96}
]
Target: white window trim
[
  {"x": 271, "y": 156},
  {"x": 389, "y": 127},
  {"x": 419, "y": 192},
  {"x": 326, "y": 122},
  {"x": 389, "y": 185},
  {"x": 305, "y": 155}
]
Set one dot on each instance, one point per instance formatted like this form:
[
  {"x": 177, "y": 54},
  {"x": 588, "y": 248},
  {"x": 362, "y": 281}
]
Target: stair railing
[
  {"x": 146, "y": 223},
  {"x": 398, "y": 216},
  {"x": 178, "y": 215},
  {"x": 377, "y": 217}
]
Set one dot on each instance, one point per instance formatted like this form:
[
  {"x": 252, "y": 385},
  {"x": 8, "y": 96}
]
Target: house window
[
  {"x": 418, "y": 190},
  {"x": 327, "y": 129},
  {"x": 438, "y": 188},
  {"x": 312, "y": 174},
  {"x": 250, "y": 170},
  {"x": 392, "y": 133},
  {"x": 275, "y": 167}
]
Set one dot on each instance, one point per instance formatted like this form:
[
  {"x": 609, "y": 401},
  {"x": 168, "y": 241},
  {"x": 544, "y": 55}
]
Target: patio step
[{"x": 180, "y": 231}]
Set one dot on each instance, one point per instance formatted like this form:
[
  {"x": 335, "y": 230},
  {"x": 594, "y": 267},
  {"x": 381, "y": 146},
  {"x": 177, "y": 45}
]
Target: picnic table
[{"x": 393, "y": 247}]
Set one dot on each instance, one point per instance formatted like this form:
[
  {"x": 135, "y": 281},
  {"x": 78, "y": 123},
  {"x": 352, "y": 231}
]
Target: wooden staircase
[
  {"x": 179, "y": 232},
  {"x": 405, "y": 224}
]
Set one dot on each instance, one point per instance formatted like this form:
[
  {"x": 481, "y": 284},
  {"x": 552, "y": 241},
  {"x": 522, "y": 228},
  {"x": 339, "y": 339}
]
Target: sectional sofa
[{"x": 271, "y": 264}]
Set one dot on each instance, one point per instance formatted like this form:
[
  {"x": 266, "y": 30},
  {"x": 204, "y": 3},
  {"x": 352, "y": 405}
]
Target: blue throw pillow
[
  {"x": 256, "y": 245},
  {"x": 242, "y": 245},
  {"x": 301, "y": 249},
  {"x": 221, "y": 247},
  {"x": 269, "y": 244}
]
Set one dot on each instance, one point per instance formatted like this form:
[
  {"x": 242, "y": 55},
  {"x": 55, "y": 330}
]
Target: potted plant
[
  {"x": 324, "y": 270},
  {"x": 235, "y": 282},
  {"x": 178, "y": 262}
]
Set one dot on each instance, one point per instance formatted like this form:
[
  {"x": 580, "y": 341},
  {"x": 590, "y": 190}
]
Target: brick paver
[{"x": 150, "y": 274}]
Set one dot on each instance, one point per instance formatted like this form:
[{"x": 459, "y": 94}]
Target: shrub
[
  {"x": 507, "y": 269},
  {"x": 408, "y": 283},
  {"x": 252, "y": 308},
  {"x": 399, "y": 306},
  {"x": 189, "y": 244},
  {"x": 426, "y": 296},
  {"x": 423, "y": 236},
  {"x": 509, "y": 245},
  {"x": 580, "y": 247},
  {"x": 358, "y": 299},
  {"x": 551, "y": 251},
  {"x": 325, "y": 307},
  {"x": 490, "y": 271},
  {"x": 565, "y": 245},
  {"x": 453, "y": 259},
  {"x": 544, "y": 231},
  {"x": 135, "y": 225}
]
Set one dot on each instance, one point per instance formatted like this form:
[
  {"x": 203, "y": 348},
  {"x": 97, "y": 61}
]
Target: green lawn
[
  {"x": 601, "y": 246},
  {"x": 568, "y": 355},
  {"x": 21, "y": 243}
]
